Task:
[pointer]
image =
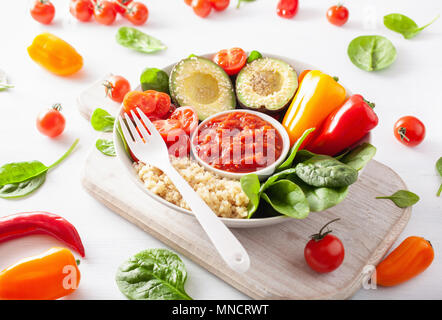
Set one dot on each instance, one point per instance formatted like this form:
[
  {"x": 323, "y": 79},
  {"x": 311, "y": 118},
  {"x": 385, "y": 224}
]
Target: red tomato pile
[{"x": 202, "y": 8}]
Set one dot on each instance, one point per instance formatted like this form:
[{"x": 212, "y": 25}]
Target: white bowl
[{"x": 262, "y": 173}]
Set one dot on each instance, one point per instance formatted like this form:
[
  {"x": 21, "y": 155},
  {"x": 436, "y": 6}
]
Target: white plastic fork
[{"x": 150, "y": 148}]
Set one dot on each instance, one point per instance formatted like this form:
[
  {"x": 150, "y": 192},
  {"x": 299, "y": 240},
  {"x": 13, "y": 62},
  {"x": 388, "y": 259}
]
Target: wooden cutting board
[{"x": 368, "y": 228}]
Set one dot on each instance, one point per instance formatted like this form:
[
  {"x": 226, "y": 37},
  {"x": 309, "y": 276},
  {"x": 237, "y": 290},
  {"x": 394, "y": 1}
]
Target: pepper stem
[
  {"x": 336, "y": 78},
  {"x": 319, "y": 236},
  {"x": 370, "y": 104}
]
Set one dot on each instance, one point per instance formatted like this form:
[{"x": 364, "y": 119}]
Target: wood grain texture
[{"x": 368, "y": 228}]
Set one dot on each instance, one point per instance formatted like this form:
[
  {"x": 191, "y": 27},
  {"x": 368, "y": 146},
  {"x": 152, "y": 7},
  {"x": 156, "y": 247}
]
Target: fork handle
[{"x": 230, "y": 249}]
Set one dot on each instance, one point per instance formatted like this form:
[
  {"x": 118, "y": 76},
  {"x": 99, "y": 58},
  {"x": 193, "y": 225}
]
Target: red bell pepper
[
  {"x": 344, "y": 126},
  {"x": 26, "y": 223}
]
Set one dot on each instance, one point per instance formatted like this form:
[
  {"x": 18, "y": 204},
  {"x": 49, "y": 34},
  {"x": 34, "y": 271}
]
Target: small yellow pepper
[
  {"x": 55, "y": 54},
  {"x": 318, "y": 95}
]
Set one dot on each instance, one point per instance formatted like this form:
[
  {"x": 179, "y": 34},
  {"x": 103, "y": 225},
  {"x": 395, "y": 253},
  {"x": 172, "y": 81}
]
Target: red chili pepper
[
  {"x": 27, "y": 223},
  {"x": 344, "y": 126}
]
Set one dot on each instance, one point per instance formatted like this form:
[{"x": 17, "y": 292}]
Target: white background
[{"x": 412, "y": 85}]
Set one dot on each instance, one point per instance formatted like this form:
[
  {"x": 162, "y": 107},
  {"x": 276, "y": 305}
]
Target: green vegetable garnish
[
  {"x": 439, "y": 169},
  {"x": 240, "y": 1},
  {"x": 101, "y": 120},
  {"x": 371, "y": 53},
  {"x": 154, "y": 79},
  {"x": 402, "y": 198},
  {"x": 154, "y": 274},
  {"x": 135, "y": 39},
  {"x": 359, "y": 156},
  {"x": 106, "y": 147},
  {"x": 253, "y": 56},
  {"x": 404, "y": 25}
]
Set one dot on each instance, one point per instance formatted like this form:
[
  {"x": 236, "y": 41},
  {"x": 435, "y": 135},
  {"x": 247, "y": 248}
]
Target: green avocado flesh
[
  {"x": 202, "y": 84},
  {"x": 266, "y": 85}
]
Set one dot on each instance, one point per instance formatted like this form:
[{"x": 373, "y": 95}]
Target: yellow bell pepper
[
  {"x": 55, "y": 55},
  {"x": 318, "y": 95}
]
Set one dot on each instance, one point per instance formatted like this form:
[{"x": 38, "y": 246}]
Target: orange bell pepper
[
  {"x": 47, "y": 276},
  {"x": 412, "y": 257},
  {"x": 318, "y": 95},
  {"x": 55, "y": 55}
]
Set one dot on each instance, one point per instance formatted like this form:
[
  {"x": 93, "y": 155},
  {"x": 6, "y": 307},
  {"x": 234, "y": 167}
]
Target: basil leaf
[
  {"x": 101, "y": 120},
  {"x": 371, "y": 53},
  {"x": 106, "y": 147},
  {"x": 154, "y": 79},
  {"x": 289, "y": 161},
  {"x": 20, "y": 171},
  {"x": 154, "y": 274},
  {"x": 287, "y": 198},
  {"x": 402, "y": 198},
  {"x": 359, "y": 156},
  {"x": 23, "y": 188},
  {"x": 326, "y": 171},
  {"x": 135, "y": 39},
  {"x": 404, "y": 25},
  {"x": 250, "y": 185},
  {"x": 253, "y": 56},
  {"x": 439, "y": 169}
]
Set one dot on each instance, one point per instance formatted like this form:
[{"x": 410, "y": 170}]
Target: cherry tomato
[
  {"x": 231, "y": 60},
  {"x": 409, "y": 130},
  {"x": 162, "y": 103},
  {"x": 51, "y": 122},
  {"x": 116, "y": 88},
  {"x": 177, "y": 141},
  {"x": 219, "y": 5},
  {"x": 120, "y": 9},
  {"x": 82, "y": 9},
  {"x": 337, "y": 15},
  {"x": 287, "y": 8},
  {"x": 104, "y": 12},
  {"x": 188, "y": 2},
  {"x": 187, "y": 117},
  {"x": 43, "y": 11},
  {"x": 201, "y": 8},
  {"x": 137, "y": 13},
  {"x": 137, "y": 99},
  {"x": 325, "y": 252}
]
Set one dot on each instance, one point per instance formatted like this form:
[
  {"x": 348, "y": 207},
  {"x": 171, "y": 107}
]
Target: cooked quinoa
[{"x": 224, "y": 196}]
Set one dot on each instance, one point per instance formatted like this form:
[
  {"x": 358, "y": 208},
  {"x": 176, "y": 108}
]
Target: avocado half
[
  {"x": 202, "y": 84},
  {"x": 266, "y": 85}
]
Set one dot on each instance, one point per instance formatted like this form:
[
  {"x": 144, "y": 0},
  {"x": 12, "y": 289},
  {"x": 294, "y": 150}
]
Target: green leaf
[
  {"x": 404, "y": 25},
  {"x": 359, "y": 156},
  {"x": 101, "y": 120},
  {"x": 279, "y": 175},
  {"x": 250, "y": 185},
  {"x": 137, "y": 40},
  {"x": 439, "y": 169},
  {"x": 289, "y": 161},
  {"x": 371, "y": 53},
  {"x": 240, "y": 1},
  {"x": 154, "y": 79},
  {"x": 123, "y": 140},
  {"x": 402, "y": 198},
  {"x": 19, "y": 171},
  {"x": 22, "y": 189},
  {"x": 287, "y": 198},
  {"x": 153, "y": 274},
  {"x": 253, "y": 56},
  {"x": 106, "y": 147}
]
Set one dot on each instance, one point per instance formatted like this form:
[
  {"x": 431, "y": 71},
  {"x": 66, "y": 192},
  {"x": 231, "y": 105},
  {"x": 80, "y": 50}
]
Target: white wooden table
[{"x": 410, "y": 86}]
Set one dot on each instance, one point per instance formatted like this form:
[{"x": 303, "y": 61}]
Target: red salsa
[{"x": 238, "y": 142}]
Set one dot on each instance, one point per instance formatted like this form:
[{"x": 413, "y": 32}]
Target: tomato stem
[
  {"x": 108, "y": 88},
  {"x": 403, "y": 133},
  {"x": 319, "y": 236},
  {"x": 56, "y": 106}
]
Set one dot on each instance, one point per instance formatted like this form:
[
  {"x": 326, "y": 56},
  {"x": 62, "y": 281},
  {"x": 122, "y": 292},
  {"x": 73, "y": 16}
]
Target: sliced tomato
[
  {"x": 166, "y": 127},
  {"x": 180, "y": 144},
  {"x": 231, "y": 60},
  {"x": 137, "y": 99},
  {"x": 162, "y": 102},
  {"x": 187, "y": 117}
]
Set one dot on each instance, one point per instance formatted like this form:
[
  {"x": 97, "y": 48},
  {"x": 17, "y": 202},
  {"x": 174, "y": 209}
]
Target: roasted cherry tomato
[
  {"x": 337, "y": 15},
  {"x": 176, "y": 139},
  {"x": 231, "y": 60},
  {"x": 137, "y": 99},
  {"x": 325, "y": 252},
  {"x": 43, "y": 11},
  {"x": 121, "y": 9},
  {"x": 51, "y": 122},
  {"x": 187, "y": 117},
  {"x": 409, "y": 130},
  {"x": 219, "y": 5},
  {"x": 137, "y": 13},
  {"x": 201, "y": 8},
  {"x": 83, "y": 10},
  {"x": 162, "y": 103},
  {"x": 287, "y": 8},
  {"x": 116, "y": 88},
  {"x": 104, "y": 12}
]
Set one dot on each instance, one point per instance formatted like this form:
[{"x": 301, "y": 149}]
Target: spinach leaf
[
  {"x": 240, "y": 1},
  {"x": 404, "y": 25},
  {"x": 359, "y": 156},
  {"x": 279, "y": 175},
  {"x": 123, "y": 140},
  {"x": 250, "y": 185},
  {"x": 326, "y": 171},
  {"x": 154, "y": 79},
  {"x": 106, "y": 147},
  {"x": 154, "y": 274},
  {"x": 289, "y": 161},
  {"x": 135, "y": 39},
  {"x": 402, "y": 198},
  {"x": 101, "y": 120},
  {"x": 287, "y": 198},
  {"x": 253, "y": 56},
  {"x": 371, "y": 53},
  {"x": 439, "y": 169},
  {"x": 20, "y": 171},
  {"x": 23, "y": 188}
]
